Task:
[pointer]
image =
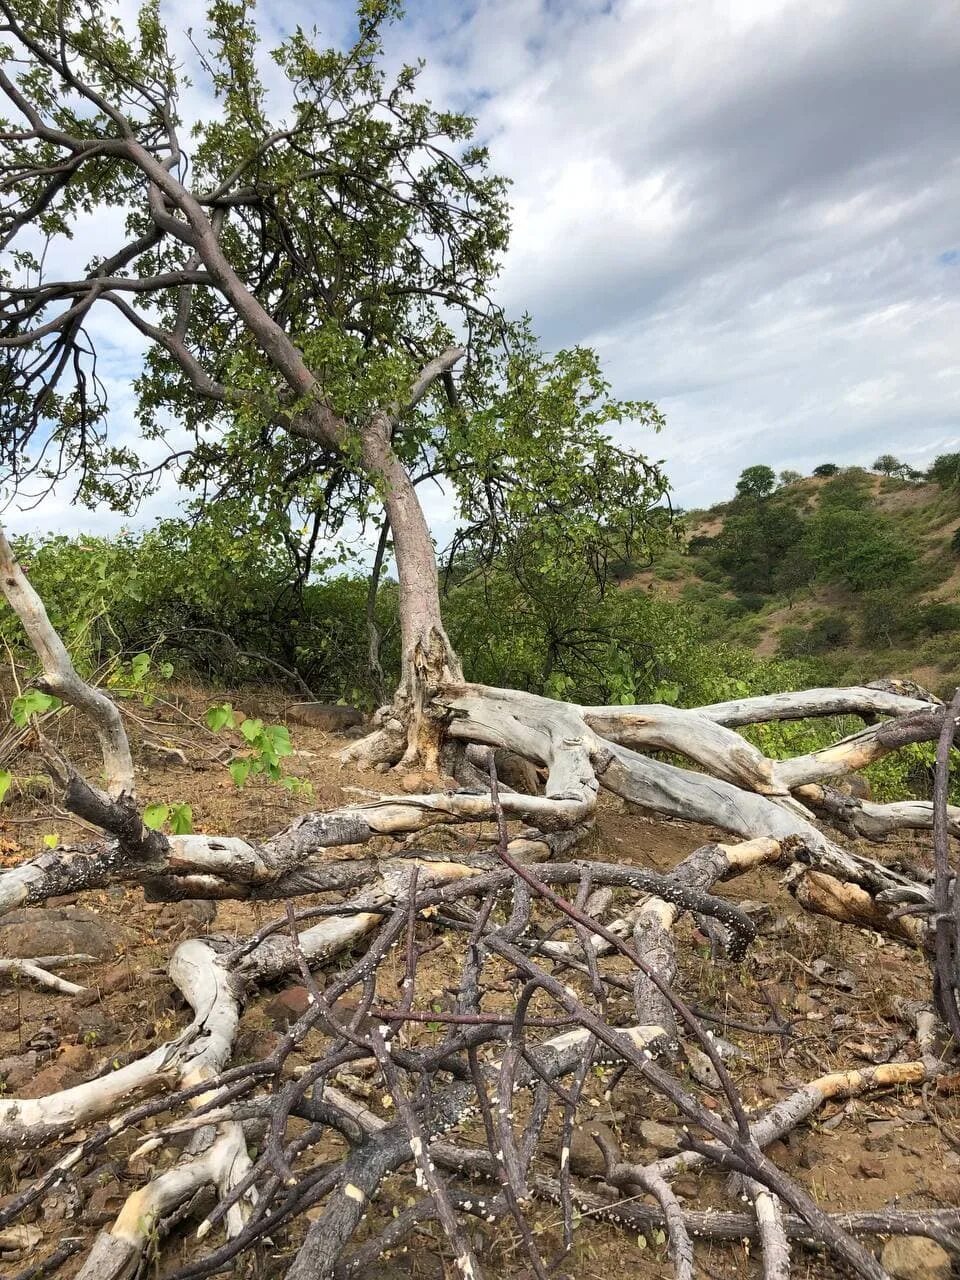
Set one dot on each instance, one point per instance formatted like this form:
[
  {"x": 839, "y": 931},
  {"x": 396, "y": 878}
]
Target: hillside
[{"x": 884, "y": 596}]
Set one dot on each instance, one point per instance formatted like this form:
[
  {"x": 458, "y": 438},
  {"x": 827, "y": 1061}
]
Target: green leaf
[
  {"x": 181, "y": 819},
  {"x": 251, "y": 729},
  {"x": 239, "y": 771},
  {"x": 166, "y": 670},
  {"x": 52, "y": 840},
  {"x": 6, "y": 777},
  {"x": 220, "y": 717},
  {"x": 140, "y": 666},
  {"x": 278, "y": 737},
  {"x": 33, "y": 702},
  {"x": 155, "y": 815}
]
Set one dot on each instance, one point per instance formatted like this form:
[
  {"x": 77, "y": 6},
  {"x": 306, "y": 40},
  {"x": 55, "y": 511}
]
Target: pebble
[{"x": 915, "y": 1258}]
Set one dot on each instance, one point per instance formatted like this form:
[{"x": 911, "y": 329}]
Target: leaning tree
[{"x": 307, "y": 287}]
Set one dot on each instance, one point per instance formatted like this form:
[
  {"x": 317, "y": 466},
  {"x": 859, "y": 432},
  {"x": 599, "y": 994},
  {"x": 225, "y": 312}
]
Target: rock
[
  {"x": 381, "y": 767},
  {"x": 256, "y": 1044},
  {"x": 328, "y": 716},
  {"x": 104, "y": 1204},
  {"x": 586, "y": 1158},
  {"x": 855, "y": 784},
  {"x": 288, "y": 1006},
  {"x": 915, "y": 1258},
  {"x": 46, "y": 931},
  {"x": 188, "y": 916},
  {"x": 77, "y": 1057},
  {"x": 659, "y": 1136},
  {"x": 872, "y": 1168},
  {"x": 90, "y": 1025},
  {"x": 413, "y": 783},
  {"x": 16, "y": 1071},
  {"x": 51, "y": 1079},
  {"x": 516, "y": 772},
  {"x": 687, "y": 1188},
  {"x": 157, "y": 753}
]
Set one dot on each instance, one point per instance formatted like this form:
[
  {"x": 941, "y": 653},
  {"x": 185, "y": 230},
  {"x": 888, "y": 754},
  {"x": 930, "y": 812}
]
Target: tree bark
[{"x": 427, "y": 658}]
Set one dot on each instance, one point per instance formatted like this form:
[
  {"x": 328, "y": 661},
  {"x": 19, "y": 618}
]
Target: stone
[
  {"x": 659, "y": 1136},
  {"x": 915, "y": 1258},
  {"x": 288, "y": 1006},
  {"x": 855, "y": 784},
  {"x": 328, "y": 716},
  {"x": 872, "y": 1168},
  {"x": 687, "y": 1188},
  {"x": 104, "y": 1204},
  {"x": 51, "y": 1079},
  {"x": 90, "y": 1025},
  {"x": 413, "y": 783},
  {"x": 17, "y": 1070},
  {"x": 51, "y": 931},
  {"x": 586, "y": 1158},
  {"x": 158, "y": 753},
  {"x": 77, "y": 1057},
  {"x": 516, "y": 772}
]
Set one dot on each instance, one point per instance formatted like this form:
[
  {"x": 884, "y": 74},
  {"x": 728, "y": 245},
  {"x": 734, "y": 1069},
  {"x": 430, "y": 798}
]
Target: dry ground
[{"x": 836, "y": 990}]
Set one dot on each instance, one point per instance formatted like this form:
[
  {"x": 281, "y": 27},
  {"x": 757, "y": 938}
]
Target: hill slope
[{"x": 866, "y": 576}]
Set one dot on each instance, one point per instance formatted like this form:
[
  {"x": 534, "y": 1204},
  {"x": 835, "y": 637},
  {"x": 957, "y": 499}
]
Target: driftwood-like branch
[{"x": 60, "y": 678}]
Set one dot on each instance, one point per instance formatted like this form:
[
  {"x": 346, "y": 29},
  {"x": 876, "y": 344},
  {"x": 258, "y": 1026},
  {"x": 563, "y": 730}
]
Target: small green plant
[
  {"x": 32, "y": 703},
  {"x": 138, "y": 678},
  {"x": 179, "y": 816},
  {"x": 268, "y": 745}
]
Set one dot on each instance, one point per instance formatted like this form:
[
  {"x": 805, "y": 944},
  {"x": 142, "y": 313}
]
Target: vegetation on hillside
[{"x": 858, "y": 569}]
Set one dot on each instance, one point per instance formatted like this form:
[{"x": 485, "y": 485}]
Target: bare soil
[{"x": 884, "y": 1149}]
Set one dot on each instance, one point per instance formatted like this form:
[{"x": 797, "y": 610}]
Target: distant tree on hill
[
  {"x": 945, "y": 470},
  {"x": 857, "y": 548},
  {"x": 755, "y": 543},
  {"x": 756, "y": 482},
  {"x": 789, "y": 477},
  {"x": 955, "y": 540},
  {"x": 888, "y": 465},
  {"x": 826, "y": 469}
]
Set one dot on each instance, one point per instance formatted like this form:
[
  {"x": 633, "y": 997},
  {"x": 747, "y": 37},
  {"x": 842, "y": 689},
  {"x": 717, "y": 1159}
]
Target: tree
[
  {"x": 858, "y": 548},
  {"x": 945, "y": 470},
  {"x": 789, "y": 477},
  {"x": 756, "y": 544},
  {"x": 826, "y": 469},
  {"x": 756, "y": 482},
  {"x": 887, "y": 464},
  {"x": 307, "y": 286}
]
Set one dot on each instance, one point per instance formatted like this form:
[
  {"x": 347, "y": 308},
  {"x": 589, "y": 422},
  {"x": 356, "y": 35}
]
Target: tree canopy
[{"x": 299, "y": 270}]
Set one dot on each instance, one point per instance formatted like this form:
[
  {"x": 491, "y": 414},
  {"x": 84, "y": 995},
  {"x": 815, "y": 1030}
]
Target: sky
[{"x": 749, "y": 207}]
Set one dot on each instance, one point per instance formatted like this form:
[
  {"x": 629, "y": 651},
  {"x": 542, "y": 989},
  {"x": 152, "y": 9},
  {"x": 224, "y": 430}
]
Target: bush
[{"x": 826, "y": 634}]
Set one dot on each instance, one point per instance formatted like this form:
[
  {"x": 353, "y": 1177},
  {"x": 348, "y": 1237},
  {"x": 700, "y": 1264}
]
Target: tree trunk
[{"x": 412, "y": 729}]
